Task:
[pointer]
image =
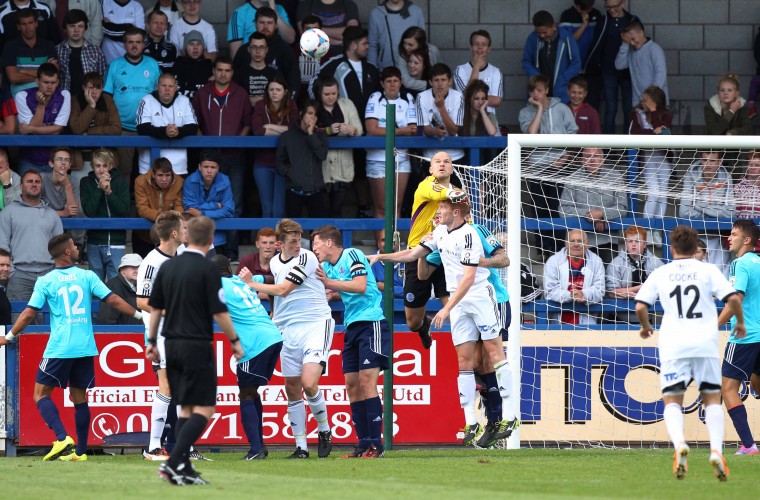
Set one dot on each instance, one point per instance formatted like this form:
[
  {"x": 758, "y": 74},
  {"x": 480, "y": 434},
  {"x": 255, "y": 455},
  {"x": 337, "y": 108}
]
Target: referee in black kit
[{"x": 188, "y": 294}]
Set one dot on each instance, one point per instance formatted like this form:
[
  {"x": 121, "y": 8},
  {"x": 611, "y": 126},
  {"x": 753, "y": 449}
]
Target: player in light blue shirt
[
  {"x": 69, "y": 355},
  {"x": 366, "y": 344},
  {"x": 741, "y": 360},
  {"x": 495, "y": 259},
  {"x": 261, "y": 342}
]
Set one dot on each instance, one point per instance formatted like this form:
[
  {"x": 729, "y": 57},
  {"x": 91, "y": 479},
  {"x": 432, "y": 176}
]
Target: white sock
[
  {"x": 158, "y": 412},
  {"x": 673, "y": 415},
  {"x": 504, "y": 378},
  {"x": 297, "y": 417},
  {"x": 715, "y": 426},
  {"x": 319, "y": 410},
  {"x": 466, "y": 384}
]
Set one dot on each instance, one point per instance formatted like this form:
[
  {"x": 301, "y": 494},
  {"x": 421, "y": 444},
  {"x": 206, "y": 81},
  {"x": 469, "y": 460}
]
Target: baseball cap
[{"x": 130, "y": 259}]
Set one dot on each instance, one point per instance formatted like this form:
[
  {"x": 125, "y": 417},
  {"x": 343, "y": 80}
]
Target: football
[{"x": 314, "y": 43}]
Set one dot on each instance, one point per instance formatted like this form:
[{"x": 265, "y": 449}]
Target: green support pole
[{"x": 390, "y": 216}]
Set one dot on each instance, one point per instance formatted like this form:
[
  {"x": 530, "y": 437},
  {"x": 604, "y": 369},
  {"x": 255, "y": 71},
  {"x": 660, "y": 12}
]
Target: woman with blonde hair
[{"x": 726, "y": 112}]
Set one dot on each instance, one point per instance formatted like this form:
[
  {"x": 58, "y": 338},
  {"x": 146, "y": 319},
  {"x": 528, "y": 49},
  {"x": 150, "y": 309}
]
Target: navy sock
[
  {"x": 260, "y": 413},
  {"x": 188, "y": 433},
  {"x": 169, "y": 428},
  {"x": 738, "y": 416},
  {"x": 493, "y": 410},
  {"x": 82, "y": 422},
  {"x": 250, "y": 420},
  {"x": 359, "y": 415},
  {"x": 49, "y": 413},
  {"x": 375, "y": 421}
]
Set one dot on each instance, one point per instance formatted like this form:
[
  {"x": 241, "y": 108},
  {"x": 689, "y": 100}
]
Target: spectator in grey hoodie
[
  {"x": 387, "y": 22},
  {"x": 23, "y": 225},
  {"x": 546, "y": 115},
  {"x": 708, "y": 193},
  {"x": 644, "y": 58},
  {"x": 588, "y": 195}
]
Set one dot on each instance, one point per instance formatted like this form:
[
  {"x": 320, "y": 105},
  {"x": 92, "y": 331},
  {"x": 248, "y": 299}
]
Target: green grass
[{"x": 406, "y": 473}]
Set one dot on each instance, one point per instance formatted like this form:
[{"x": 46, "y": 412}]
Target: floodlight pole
[{"x": 390, "y": 216}]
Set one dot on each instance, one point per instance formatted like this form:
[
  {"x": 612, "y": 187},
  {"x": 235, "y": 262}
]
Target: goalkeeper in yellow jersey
[{"x": 434, "y": 188}]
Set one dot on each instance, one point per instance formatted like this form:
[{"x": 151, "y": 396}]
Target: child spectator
[
  {"x": 300, "y": 155},
  {"x": 747, "y": 191},
  {"x": 192, "y": 70},
  {"x": 725, "y": 112},
  {"x": 552, "y": 52},
  {"x": 582, "y": 18},
  {"x": 478, "y": 119},
  {"x": 412, "y": 40},
  {"x": 337, "y": 116},
  {"x": 478, "y": 68},
  {"x": 440, "y": 110},
  {"x": 644, "y": 58},
  {"x": 652, "y": 116},
  {"x": 272, "y": 116},
  {"x": 105, "y": 194},
  {"x": 406, "y": 125},
  {"x": 585, "y": 115}
]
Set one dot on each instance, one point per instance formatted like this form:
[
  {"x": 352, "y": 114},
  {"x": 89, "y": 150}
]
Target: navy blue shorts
[
  {"x": 366, "y": 345},
  {"x": 71, "y": 372},
  {"x": 258, "y": 370},
  {"x": 740, "y": 361},
  {"x": 505, "y": 318}
]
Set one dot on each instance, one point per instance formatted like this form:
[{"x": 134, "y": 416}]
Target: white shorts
[
  {"x": 161, "y": 346},
  {"x": 376, "y": 168},
  {"x": 476, "y": 317},
  {"x": 305, "y": 343},
  {"x": 675, "y": 375}
]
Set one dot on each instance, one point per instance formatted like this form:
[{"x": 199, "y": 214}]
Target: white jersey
[
  {"x": 428, "y": 114},
  {"x": 181, "y": 27},
  {"x": 146, "y": 276},
  {"x": 180, "y": 113},
  {"x": 308, "y": 302},
  {"x": 686, "y": 288},
  {"x": 458, "y": 248},
  {"x": 406, "y": 113},
  {"x": 491, "y": 75},
  {"x": 131, "y": 13}
]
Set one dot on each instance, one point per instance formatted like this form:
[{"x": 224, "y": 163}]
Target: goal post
[{"x": 596, "y": 384}]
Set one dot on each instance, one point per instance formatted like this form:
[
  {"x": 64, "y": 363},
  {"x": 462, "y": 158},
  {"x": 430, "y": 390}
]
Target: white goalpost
[{"x": 582, "y": 376}]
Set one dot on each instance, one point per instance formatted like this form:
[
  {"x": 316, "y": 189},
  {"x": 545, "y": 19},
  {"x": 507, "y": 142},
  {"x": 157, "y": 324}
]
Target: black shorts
[
  {"x": 258, "y": 370},
  {"x": 740, "y": 361},
  {"x": 191, "y": 371},
  {"x": 417, "y": 292}
]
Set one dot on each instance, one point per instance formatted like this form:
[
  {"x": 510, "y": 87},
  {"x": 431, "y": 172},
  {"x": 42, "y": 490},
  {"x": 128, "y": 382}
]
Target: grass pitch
[{"x": 405, "y": 473}]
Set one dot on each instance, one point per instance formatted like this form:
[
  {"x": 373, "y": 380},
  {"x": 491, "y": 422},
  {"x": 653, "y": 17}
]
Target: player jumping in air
[
  {"x": 69, "y": 357},
  {"x": 688, "y": 341}
]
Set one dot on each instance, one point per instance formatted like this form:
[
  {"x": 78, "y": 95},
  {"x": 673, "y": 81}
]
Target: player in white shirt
[
  {"x": 472, "y": 307},
  {"x": 170, "y": 230},
  {"x": 688, "y": 341},
  {"x": 303, "y": 316},
  {"x": 440, "y": 110}
]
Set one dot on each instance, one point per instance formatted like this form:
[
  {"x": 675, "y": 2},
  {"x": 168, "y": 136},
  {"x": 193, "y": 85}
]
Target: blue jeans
[
  {"x": 271, "y": 191},
  {"x": 611, "y": 83},
  {"x": 104, "y": 260}
]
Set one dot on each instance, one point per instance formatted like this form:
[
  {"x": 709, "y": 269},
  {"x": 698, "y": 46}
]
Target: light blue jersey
[
  {"x": 365, "y": 306},
  {"x": 68, "y": 292},
  {"x": 252, "y": 323},
  {"x": 745, "y": 278},
  {"x": 128, "y": 83},
  {"x": 490, "y": 246}
]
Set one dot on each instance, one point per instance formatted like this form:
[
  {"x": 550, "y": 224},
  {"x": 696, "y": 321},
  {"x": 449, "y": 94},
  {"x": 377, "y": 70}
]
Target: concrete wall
[{"x": 702, "y": 39}]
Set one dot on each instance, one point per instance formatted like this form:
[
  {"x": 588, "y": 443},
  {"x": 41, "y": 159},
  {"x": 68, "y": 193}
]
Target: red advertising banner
[{"x": 425, "y": 409}]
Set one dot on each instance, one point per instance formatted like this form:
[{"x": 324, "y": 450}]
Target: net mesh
[{"x": 587, "y": 379}]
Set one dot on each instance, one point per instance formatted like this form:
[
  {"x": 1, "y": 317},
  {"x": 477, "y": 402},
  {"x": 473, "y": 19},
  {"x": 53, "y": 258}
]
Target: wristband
[
  {"x": 152, "y": 341},
  {"x": 258, "y": 278},
  {"x": 236, "y": 339},
  {"x": 10, "y": 337},
  {"x": 138, "y": 314}
]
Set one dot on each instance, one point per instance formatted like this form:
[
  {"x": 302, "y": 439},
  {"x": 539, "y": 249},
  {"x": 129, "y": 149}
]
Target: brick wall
[{"x": 702, "y": 39}]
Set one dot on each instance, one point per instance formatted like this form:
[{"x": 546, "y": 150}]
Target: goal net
[{"x": 589, "y": 217}]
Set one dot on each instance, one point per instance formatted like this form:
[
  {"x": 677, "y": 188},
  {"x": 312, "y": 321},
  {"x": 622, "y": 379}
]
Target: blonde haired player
[{"x": 688, "y": 340}]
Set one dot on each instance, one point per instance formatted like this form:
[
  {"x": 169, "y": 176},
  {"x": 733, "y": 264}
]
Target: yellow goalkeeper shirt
[{"x": 429, "y": 192}]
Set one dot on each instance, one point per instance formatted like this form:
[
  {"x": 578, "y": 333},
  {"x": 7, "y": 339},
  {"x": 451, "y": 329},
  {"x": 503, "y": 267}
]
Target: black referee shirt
[{"x": 189, "y": 288}]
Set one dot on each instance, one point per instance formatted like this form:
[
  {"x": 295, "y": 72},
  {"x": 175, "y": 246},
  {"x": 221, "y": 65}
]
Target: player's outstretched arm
[
  {"x": 642, "y": 313},
  {"x": 24, "y": 319},
  {"x": 735, "y": 304},
  {"x": 277, "y": 289},
  {"x": 121, "y": 305},
  {"x": 408, "y": 255},
  {"x": 225, "y": 323}
]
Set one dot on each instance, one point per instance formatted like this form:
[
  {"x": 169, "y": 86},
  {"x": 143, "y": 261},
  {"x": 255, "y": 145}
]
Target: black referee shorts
[
  {"x": 416, "y": 291},
  {"x": 191, "y": 371}
]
